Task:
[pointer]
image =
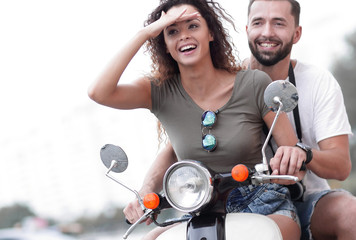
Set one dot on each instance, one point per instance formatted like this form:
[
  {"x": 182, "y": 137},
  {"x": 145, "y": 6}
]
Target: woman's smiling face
[{"x": 187, "y": 41}]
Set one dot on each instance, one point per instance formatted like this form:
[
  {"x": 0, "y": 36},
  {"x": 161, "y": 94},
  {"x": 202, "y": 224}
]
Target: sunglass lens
[
  {"x": 208, "y": 119},
  {"x": 209, "y": 142}
]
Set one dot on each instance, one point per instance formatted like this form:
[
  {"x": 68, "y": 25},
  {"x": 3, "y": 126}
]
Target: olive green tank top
[{"x": 237, "y": 130}]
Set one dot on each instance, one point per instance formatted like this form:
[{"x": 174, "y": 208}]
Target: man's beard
[{"x": 267, "y": 58}]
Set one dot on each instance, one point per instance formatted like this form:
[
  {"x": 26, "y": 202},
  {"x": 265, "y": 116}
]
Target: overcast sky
[{"x": 51, "y": 133}]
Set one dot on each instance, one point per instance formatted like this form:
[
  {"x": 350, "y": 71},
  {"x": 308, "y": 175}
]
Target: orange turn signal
[
  {"x": 151, "y": 201},
  {"x": 240, "y": 173}
]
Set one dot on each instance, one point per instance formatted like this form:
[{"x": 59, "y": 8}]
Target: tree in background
[
  {"x": 344, "y": 69},
  {"x": 14, "y": 214}
]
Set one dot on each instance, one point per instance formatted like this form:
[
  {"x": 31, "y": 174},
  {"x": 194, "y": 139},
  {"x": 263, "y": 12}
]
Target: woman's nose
[{"x": 184, "y": 35}]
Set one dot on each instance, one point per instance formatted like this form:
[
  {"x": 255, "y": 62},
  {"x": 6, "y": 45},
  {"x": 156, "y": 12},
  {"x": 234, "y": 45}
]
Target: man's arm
[
  {"x": 153, "y": 182},
  {"x": 333, "y": 160}
]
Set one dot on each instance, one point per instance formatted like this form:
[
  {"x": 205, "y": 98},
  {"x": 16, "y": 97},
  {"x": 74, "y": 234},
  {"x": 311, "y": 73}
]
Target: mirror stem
[
  {"x": 114, "y": 163},
  {"x": 264, "y": 158}
]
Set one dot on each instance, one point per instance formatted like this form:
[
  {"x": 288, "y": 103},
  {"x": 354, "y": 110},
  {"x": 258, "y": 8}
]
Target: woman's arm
[
  {"x": 106, "y": 90},
  {"x": 153, "y": 182}
]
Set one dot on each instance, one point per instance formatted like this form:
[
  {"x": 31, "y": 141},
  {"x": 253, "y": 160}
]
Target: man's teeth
[
  {"x": 188, "y": 47},
  {"x": 268, "y": 44}
]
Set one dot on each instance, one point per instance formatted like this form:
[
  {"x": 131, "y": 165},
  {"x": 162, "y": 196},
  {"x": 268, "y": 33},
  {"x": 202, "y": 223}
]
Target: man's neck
[{"x": 279, "y": 71}]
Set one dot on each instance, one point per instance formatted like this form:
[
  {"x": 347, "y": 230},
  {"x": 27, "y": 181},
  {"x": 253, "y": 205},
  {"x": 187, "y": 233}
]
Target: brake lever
[
  {"x": 134, "y": 225},
  {"x": 260, "y": 175},
  {"x": 264, "y": 178}
]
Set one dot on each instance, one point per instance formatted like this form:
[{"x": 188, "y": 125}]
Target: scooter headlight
[{"x": 188, "y": 186}]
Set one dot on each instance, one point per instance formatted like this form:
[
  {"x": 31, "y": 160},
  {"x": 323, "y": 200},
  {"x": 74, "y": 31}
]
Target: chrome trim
[{"x": 208, "y": 178}]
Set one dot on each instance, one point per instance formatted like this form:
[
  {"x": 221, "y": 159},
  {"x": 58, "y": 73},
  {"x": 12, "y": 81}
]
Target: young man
[{"x": 273, "y": 28}]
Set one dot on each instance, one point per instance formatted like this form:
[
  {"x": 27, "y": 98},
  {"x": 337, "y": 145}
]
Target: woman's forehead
[{"x": 181, "y": 7}]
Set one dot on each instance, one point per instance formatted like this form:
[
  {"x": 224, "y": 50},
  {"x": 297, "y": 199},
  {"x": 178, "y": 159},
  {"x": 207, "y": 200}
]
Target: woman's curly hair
[{"x": 221, "y": 49}]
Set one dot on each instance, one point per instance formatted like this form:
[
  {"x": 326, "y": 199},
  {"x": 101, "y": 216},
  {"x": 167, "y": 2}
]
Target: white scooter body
[{"x": 237, "y": 226}]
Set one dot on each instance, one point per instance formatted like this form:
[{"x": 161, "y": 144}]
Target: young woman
[{"x": 211, "y": 109}]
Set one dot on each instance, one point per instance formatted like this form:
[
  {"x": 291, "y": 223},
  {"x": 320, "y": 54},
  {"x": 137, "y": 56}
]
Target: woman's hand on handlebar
[{"x": 133, "y": 212}]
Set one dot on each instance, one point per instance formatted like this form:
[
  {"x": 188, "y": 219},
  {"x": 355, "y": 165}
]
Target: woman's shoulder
[
  {"x": 254, "y": 76},
  {"x": 168, "y": 86}
]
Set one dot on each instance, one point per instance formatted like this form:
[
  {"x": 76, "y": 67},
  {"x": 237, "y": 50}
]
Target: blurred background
[{"x": 51, "y": 174}]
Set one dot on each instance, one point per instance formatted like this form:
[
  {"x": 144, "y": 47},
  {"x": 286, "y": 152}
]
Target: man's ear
[{"x": 297, "y": 34}]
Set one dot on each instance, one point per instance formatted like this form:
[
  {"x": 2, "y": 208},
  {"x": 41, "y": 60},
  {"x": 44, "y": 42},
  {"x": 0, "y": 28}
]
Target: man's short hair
[{"x": 295, "y": 8}]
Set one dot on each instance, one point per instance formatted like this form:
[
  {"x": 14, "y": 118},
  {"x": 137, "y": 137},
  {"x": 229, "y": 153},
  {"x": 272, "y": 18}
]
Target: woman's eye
[
  {"x": 172, "y": 32},
  {"x": 192, "y": 26}
]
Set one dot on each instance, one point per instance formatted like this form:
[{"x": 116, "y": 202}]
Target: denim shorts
[
  {"x": 263, "y": 199},
  {"x": 306, "y": 208}
]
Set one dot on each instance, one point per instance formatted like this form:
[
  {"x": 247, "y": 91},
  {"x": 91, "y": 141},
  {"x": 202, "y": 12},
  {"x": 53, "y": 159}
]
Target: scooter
[{"x": 192, "y": 188}]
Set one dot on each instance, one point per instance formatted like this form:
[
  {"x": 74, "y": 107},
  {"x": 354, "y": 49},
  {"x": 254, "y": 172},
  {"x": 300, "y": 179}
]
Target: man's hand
[{"x": 288, "y": 161}]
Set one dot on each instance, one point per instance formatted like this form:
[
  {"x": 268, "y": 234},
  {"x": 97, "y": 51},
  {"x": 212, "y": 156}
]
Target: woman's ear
[
  {"x": 211, "y": 36},
  {"x": 166, "y": 49}
]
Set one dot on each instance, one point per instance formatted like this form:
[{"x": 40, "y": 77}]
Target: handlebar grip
[
  {"x": 128, "y": 222},
  {"x": 164, "y": 204},
  {"x": 303, "y": 167}
]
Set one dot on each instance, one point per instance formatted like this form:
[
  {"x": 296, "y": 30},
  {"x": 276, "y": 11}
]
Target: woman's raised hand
[{"x": 174, "y": 15}]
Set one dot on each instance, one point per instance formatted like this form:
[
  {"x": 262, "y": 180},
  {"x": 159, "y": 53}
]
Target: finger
[
  {"x": 182, "y": 12},
  {"x": 275, "y": 162},
  {"x": 283, "y": 167},
  {"x": 133, "y": 211},
  {"x": 127, "y": 213},
  {"x": 129, "y": 218},
  {"x": 149, "y": 221},
  {"x": 301, "y": 157},
  {"x": 293, "y": 163},
  {"x": 137, "y": 212},
  {"x": 190, "y": 16},
  {"x": 274, "y": 172}
]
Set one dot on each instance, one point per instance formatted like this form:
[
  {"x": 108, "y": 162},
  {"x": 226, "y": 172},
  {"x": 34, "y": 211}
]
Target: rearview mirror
[
  {"x": 110, "y": 152},
  {"x": 283, "y": 91}
]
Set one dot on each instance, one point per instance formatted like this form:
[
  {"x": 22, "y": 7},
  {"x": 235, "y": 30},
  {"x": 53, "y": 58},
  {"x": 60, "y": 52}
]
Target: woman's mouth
[{"x": 187, "y": 48}]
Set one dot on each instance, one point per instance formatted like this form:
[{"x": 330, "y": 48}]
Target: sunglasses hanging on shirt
[{"x": 208, "y": 120}]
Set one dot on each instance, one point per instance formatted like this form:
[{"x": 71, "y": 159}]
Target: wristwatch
[{"x": 307, "y": 150}]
